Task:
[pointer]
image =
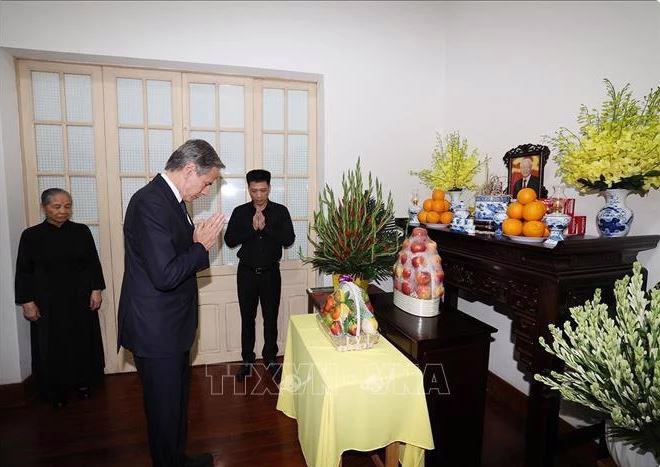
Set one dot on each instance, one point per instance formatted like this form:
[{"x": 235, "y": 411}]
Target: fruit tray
[{"x": 347, "y": 342}]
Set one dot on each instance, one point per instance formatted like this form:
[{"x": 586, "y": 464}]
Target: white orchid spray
[{"x": 611, "y": 360}]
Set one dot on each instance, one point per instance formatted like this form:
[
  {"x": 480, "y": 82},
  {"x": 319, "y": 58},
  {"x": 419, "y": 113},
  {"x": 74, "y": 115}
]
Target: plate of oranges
[
  {"x": 523, "y": 222},
  {"x": 436, "y": 211}
]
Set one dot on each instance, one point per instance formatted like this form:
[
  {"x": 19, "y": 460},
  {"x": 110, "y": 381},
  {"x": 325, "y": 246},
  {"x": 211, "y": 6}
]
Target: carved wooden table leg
[{"x": 542, "y": 426}]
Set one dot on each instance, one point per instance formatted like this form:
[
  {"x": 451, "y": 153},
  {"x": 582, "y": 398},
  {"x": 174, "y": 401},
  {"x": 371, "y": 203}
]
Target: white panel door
[
  {"x": 226, "y": 111},
  {"x": 143, "y": 127},
  {"x": 285, "y": 145},
  {"x": 62, "y": 131}
]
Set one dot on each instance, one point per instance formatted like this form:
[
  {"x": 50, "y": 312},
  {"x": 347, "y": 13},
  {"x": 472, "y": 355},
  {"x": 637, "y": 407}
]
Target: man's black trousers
[
  {"x": 259, "y": 285},
  {"x": 165, "y": 385}
]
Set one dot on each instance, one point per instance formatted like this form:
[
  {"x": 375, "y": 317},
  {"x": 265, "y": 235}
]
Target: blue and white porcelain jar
[
  {"x": 486, "y": 206},
  {"x": 614, "y": 219}
]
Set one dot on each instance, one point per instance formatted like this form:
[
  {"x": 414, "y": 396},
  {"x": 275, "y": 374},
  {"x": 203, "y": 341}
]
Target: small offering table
[{"x": 359, "y": 400}]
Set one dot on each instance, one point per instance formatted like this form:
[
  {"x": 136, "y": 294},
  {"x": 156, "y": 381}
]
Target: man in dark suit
[
  {"x": 262, "y": 228},
  {"x": 158, "y": 305},
  {"x": 527, "y": 180}
]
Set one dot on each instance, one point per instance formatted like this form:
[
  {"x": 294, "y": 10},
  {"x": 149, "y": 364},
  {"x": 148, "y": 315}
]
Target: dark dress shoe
[
  {"x": 199, "y": 460},
  {"x": 246, "y": 370},
  {"x": 83, "y": 392}
]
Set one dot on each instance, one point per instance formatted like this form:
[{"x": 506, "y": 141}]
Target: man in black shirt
[{"x": 262, "y": 228}]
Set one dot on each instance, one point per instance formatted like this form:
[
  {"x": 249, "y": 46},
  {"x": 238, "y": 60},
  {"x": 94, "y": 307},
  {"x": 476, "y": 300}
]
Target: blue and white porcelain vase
[
  {"x": 455, "y": 199},
  {"x": 614, "y": 219}
]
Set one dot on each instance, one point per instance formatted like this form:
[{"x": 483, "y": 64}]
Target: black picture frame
[{"x": 538, "y": 155}]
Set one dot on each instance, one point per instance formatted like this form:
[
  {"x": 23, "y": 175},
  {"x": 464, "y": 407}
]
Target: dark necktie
[
  {"x": 182, "y": 204},
  {"x": 524, "y": 183}
]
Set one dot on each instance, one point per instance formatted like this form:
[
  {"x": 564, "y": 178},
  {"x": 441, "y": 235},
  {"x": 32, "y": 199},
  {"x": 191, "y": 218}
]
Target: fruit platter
[
  {"x": 418, "y": 275},
  {"x": 524, "y": 222},
  {"x": 347, "y": 319},
  {"x": 436, "y": 212}
]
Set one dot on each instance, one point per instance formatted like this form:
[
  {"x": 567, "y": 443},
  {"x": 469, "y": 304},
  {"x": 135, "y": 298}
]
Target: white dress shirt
[{"x": 175, "y": 190}]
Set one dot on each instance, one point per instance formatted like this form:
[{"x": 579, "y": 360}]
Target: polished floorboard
[{"x": 109, "y": 429}]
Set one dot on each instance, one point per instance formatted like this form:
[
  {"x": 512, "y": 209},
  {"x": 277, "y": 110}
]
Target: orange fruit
[
  {"x": 447, "y": 205},
  {"x": 432, "y": 217},
  {"x": 446, "y": 217},
  {"x": 512, "y": 227},
  {"x": 438, "y": 195},
  {"x": 526, "y": 195},
  {"x": 546, "y": 232},
  {"x": 428, "y": 205},
  {"x": 422, "y": 216},
  {"x": 514, "y": 210},
  {"x": 439, "y": 206},
  {"x": 534, "y": 211},
  {"x": 533, "y": 229}
]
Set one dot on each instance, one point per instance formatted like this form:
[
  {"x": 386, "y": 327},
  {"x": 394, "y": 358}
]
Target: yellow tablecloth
[{"x": 359, "y": 400}]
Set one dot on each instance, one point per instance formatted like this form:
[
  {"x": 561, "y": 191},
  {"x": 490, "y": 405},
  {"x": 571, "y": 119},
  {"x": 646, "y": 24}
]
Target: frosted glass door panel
[
  {"x": 277, "y": 190},
  {"x": 232, "y": 106},
  {"x": 159, "y": 102},
  {"x": 214, "y": 256},
  {"x": 50, "y": 150},
  {"x": 80, "y": 141},
  {"x": 83, "y": 192},
  {"x": 131, "y": 150},
  {"x": 205, "y": 206},
  {"x": 202, "y": 105},
  {"x": 232, "y": 152},
  {"x": 229, "y": 255},
  {"x": 97, "y": 238},
  {"x": 78, "y": 92},
  {"x": 273, "y": 109},
  {"x": 208, "y": 136},
  {"x": 128, "y": 188},
  {"x": 46, "y": 96},
  {"x": 297, "y": 110},
  {"x": 297, "y": 155},
  {"x": 129, "y": 101},
  {"x": 232, "y": 194},
  {"x": 160, "y": 149},
  {"x": 274, "y": 153},
  {"x": 297, "y": 195},
  {"x": 300, "y": 229},
  {"x": 47, "y": 181}
]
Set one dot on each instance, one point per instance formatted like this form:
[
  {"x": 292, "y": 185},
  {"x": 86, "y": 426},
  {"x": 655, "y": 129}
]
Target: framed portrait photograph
[{"x": 525, "y": 165}]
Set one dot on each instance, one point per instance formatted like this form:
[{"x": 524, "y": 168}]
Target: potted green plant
[
  {"x": 615, "y": 152},
  {"x": 453, "y": 166},
  {"x": 354, "y": 234},
  {"x": 611, "y": 365}
]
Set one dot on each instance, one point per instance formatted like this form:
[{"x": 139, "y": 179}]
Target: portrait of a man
[{"x": 525, "y": 174}]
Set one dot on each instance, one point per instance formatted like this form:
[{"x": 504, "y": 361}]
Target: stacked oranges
[
  {"x": 436, "y": 209},
  {"x": 524, "y": 216}
]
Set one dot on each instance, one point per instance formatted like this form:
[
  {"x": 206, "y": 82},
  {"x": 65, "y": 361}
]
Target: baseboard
[{"x": 17, "y": 394}]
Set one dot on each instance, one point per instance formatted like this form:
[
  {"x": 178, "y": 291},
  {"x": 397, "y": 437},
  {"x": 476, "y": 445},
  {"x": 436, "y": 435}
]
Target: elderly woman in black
[{"x": 58, "y": 284}]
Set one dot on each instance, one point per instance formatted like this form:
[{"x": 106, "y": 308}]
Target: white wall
[
  {"x": 382, "y": 62},
  {"x": 14, "y": 331},
  {"x": 520, "y": 70}
]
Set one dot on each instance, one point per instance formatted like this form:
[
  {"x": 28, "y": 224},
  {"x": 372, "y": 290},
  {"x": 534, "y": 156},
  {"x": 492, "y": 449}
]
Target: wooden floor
[{"x": 239, "y": 430}]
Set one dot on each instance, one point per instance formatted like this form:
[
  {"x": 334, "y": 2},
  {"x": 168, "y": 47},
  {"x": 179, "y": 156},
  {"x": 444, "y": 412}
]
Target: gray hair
[
  {"x": 48, "y": 195},
  {"x": 197, "y": 151}
]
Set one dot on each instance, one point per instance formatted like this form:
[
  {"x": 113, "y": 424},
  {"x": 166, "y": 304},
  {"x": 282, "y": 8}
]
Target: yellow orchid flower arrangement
[
  {"x": 454, "y": 164},
  {"x": 616, "y": 147}
]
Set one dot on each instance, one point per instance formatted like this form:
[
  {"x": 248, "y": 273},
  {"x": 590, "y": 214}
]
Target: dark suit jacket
[
  {"x": 533, "y": 183},
  {"x": 158, "y": 305}
]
